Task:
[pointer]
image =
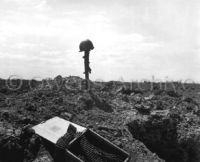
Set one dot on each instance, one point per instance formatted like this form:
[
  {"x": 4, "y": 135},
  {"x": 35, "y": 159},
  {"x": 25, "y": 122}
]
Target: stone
[
  {"x": 67, "y": 116},
  {"x": 43, "y": 156}
]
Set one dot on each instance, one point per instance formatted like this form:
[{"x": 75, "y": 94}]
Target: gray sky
[{"x": 133, "y": 39}]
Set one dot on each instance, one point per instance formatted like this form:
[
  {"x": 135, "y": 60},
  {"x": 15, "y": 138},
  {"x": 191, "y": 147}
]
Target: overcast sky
[{"x": 133, "y": 39}]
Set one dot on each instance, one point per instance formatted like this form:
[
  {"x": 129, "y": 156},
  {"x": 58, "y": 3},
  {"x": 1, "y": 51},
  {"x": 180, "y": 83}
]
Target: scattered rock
[
  {"x": 166, "y": 121},
  {"x": 144, "y": 109},
  {"x": 85, "y": 101},
  {"x": 67, "y": 116},
  {"x": 150, "y": 97},
  {"x": 43, "y": 156},
  {"x": 11, "y": 150},
  {"x": 160, "y": 113}
]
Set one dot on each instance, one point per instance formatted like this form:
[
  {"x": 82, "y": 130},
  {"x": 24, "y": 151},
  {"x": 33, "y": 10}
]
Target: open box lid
[{"x": 55, "y": 128}]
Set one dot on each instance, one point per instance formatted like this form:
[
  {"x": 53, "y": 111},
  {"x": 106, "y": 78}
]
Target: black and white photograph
[{"x": 99, "y": 81}]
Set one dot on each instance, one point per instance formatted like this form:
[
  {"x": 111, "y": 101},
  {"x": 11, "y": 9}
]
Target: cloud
[
  {"x": 39, "y": 5},
  {"x": 24, "y": 45},
  {"x": 132, "y": 38}
]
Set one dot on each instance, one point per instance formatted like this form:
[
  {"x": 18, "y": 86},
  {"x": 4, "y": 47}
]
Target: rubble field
[{"x": 153, "y": 122}]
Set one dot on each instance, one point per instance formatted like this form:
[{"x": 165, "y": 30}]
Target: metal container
[
  {"x": 75, "y": 149},
  {"x": 86, "y": 143}
]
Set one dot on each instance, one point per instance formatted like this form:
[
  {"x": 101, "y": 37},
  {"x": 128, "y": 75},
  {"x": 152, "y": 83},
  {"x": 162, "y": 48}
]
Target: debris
[
  {"x": 85, "y": 101},
  {"x": 43, "y": 156},
  {"x": 10, "y": 150},
  {"x": 67, "y": 116},
  {"x": 144, "y": 109},
  {"x": 160, "y": 113},
  {"x": 150, "y": 97},
  {"x": 159, "y": 116}
]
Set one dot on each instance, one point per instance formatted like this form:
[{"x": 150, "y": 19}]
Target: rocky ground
[{"x": 153, "y": 122}]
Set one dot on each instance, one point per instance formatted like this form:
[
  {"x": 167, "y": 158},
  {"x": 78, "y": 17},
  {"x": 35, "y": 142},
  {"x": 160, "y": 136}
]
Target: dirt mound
[{"x": 166, "y": 122}]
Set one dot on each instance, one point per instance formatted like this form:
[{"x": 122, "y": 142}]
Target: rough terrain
[{"x": 151, "y": 121}]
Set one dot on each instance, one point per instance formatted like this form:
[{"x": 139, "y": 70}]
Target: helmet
[{"x": 86, "y": 45}]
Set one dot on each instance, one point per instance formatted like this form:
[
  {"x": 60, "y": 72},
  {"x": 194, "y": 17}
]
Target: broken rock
[
  {"x": 144, "y": 109},
  {"x": 43, "y": 156}
]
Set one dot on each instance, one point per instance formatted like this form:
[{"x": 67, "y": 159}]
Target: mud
[{"x": 150, "y": 122}]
